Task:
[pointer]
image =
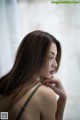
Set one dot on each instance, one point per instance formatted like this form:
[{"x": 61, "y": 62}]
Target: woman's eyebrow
[{"x": 52, "y": 53}]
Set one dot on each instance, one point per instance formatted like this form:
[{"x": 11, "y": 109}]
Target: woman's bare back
[{"x": 34, "y": 107}]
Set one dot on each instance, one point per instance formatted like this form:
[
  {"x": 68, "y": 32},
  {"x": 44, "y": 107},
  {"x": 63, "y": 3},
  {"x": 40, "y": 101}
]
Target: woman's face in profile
[{"x": 52, "y": 64}]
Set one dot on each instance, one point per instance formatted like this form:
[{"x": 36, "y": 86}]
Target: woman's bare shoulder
[
  {"x": 46, "y": 94},
  {"x": 46, "y": 91}
]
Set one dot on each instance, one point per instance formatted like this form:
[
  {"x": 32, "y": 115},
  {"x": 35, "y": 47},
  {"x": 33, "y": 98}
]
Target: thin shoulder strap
[{"x": 26, "y": 103}]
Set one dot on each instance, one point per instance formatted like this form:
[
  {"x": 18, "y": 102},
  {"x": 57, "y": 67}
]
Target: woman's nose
[{"x": 54, "y": 64}]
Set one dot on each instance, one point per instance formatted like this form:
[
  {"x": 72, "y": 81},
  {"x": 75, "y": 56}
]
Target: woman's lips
[{"x": 52, "y": 71}]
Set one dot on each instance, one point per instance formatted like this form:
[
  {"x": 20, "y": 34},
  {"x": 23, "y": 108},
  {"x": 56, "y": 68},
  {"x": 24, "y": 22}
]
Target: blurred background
[{"x": 19, "y": 17}]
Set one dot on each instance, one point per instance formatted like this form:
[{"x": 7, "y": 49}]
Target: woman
[{"x": 28, "y": 91}]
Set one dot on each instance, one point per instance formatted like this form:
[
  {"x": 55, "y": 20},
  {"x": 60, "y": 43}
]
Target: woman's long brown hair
[{"x": 30, "y": 59}]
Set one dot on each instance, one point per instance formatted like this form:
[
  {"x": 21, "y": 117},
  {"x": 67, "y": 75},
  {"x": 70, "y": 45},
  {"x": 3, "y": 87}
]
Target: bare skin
[
  {"x": 42, "y": 105},
  {"x": 56, "y": 85}
]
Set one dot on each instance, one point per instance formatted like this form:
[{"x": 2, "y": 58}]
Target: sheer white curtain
[{"x": 9, "y": 33}]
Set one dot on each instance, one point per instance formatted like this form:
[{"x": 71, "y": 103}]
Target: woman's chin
[{"x": 49, "y": 76}]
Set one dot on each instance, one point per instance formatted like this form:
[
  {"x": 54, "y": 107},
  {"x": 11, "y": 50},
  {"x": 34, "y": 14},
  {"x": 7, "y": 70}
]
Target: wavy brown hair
[{"x": 30, "y": 59}]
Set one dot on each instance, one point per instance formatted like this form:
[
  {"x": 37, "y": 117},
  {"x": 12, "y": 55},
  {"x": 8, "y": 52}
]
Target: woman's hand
[{"x": 56, "y": 85}]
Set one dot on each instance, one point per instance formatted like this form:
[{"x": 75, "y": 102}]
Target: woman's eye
[{"x": 50, "y": 57}]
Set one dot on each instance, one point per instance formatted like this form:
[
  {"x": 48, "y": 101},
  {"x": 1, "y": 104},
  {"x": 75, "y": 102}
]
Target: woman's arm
[
  {"x": 60, "y": 108},
  {"x": 57, "y": 86}
]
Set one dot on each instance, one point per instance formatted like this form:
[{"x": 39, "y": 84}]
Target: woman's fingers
[{"x": 52, "y": 81}]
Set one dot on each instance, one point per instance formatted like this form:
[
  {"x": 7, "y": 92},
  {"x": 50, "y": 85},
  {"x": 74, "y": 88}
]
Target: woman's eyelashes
[{"x": 51, "y": 57}]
